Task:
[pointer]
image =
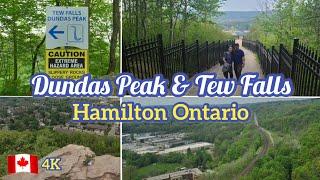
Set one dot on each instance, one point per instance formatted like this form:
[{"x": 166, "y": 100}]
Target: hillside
[
  {"x": 295, "y": 127},
  {"x": 293, "y": 152},
  {"x": 240, "y": 21}
]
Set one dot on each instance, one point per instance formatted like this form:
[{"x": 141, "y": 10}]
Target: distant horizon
[
  {"x": 245, "y": 5},
  {"x": 242, "y": 11}
]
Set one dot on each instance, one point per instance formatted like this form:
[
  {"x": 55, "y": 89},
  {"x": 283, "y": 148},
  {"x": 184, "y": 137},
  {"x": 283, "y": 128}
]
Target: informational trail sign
[
  {"x": 67, "y": 42},
  {"x": 67, "y": 26},
  {"x": 67, "y": 64}
]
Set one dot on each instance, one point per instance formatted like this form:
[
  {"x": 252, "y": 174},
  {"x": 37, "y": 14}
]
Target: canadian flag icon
[{"x": 22, "y": 163}]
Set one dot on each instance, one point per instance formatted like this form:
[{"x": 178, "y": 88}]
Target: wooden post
[{"x": 161, "y": 54}]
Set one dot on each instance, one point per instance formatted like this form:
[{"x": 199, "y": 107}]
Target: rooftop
[
  {"x": 194, "y": 171},
  {"x": 186, "y": 147}
]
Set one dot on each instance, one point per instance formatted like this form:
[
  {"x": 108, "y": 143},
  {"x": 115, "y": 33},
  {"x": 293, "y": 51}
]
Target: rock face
[{"x": 77, "y": 162}]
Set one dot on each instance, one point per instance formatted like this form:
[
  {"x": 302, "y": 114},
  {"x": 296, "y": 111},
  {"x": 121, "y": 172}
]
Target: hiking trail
[
  {"x": 251, "y": 65},
  {"x": 267, "y": 143}
]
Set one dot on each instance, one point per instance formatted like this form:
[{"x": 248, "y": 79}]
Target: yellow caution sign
[{"x": 67, "y": 63}]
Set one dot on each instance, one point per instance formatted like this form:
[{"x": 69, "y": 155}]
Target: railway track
[{"x": 267, "y": 143}]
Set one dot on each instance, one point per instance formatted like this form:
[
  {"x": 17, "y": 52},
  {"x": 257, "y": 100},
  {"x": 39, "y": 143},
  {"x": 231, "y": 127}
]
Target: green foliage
[
  {"x": 235, "y": 155},
  {"x": 204, "y": 31},
  {"x": 234, "y": 146},
  {"x": 198, "y": 159},
  {"x": 21, "y": 131},
  {"x": 22, "y": 25},
  {"x": 295, "y": 128},
  {"x": 287, "y": 117},
  {"x": 44, "y": 141},
  {"x": 176, "y": 20},
  {"x": 132, "y": 173},
  {"x": 33, "y": 113},
  {"x": 289, "y": 19},
  {"x": 150, "y": 164},
  {"x": 296, "y": 154}
]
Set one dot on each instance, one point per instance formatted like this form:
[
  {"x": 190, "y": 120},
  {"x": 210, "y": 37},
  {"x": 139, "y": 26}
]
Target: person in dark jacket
[
  {"x": 227, "y": 66},
  {"x": 238, "y": 60}
]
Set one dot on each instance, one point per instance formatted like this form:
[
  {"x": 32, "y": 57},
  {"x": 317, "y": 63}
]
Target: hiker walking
[
  {"x": 227, "y": 64},
  {"x": 238, "y": 60}
]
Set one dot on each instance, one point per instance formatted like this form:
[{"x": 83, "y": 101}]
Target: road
[
  {"x": 251, "y": 65},
  {"x": 267, "y": 143}
]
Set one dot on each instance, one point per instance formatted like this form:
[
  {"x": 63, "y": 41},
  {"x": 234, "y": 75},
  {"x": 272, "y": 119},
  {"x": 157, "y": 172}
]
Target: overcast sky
[{"x": 243, "y": 5}]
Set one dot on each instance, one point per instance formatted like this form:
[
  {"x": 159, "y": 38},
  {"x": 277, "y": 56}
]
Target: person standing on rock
[
  {"x": 227, "y": 64},
  {"x": 238, "y": 60}
]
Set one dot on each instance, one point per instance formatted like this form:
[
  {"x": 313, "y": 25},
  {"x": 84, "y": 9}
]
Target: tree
[
  {"x": 17, "y": 19},
  {"x": 22, "y": 37},
  {"x": 115, "y": 35},
  {"x": 174, "y": 19},
  {"x": 288, "y": 20}
]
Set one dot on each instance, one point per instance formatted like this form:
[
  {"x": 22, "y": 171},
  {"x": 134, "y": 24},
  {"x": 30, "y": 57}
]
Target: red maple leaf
[{"x": 22, "y": 162}]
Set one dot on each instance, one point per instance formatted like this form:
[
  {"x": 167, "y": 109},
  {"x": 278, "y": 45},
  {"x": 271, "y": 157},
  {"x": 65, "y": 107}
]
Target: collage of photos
[{"x": 160, "y": 89}]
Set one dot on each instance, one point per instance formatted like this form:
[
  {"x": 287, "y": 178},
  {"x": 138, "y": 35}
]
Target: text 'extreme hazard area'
[{"x": 66, "y": 64}]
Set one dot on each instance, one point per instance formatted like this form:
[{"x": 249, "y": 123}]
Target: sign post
[{"x": 67, "y": 42}]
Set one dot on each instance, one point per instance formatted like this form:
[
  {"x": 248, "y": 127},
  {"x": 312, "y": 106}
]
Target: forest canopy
[
  {"x": 294, "y": 126},
  {"x": 176, "y": 20}
]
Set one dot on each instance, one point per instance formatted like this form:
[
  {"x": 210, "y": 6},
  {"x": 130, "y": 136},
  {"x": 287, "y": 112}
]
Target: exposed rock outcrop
[{"x": 77, "y": 162}]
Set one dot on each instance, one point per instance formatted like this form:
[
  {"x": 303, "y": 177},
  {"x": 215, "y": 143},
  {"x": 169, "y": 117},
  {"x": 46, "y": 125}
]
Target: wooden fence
[
  {"x": 302, "y": 65},
  {"x": 149, "y": 57}
]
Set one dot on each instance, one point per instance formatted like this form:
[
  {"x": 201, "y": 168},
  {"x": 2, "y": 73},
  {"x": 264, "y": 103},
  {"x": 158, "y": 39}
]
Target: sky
[{"x": 242, "y": 5}]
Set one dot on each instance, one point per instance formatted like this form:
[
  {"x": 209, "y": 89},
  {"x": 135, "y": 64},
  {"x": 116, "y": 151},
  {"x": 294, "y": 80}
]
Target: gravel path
[{"x": 251, "y": 65}]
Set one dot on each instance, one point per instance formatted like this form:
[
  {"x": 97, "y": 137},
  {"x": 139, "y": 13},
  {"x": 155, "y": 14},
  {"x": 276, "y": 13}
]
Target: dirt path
[
  {"x": 251, "y": 65},
  {"x": 266, "y": 131},
  {"x": 267, "y": 143}
]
